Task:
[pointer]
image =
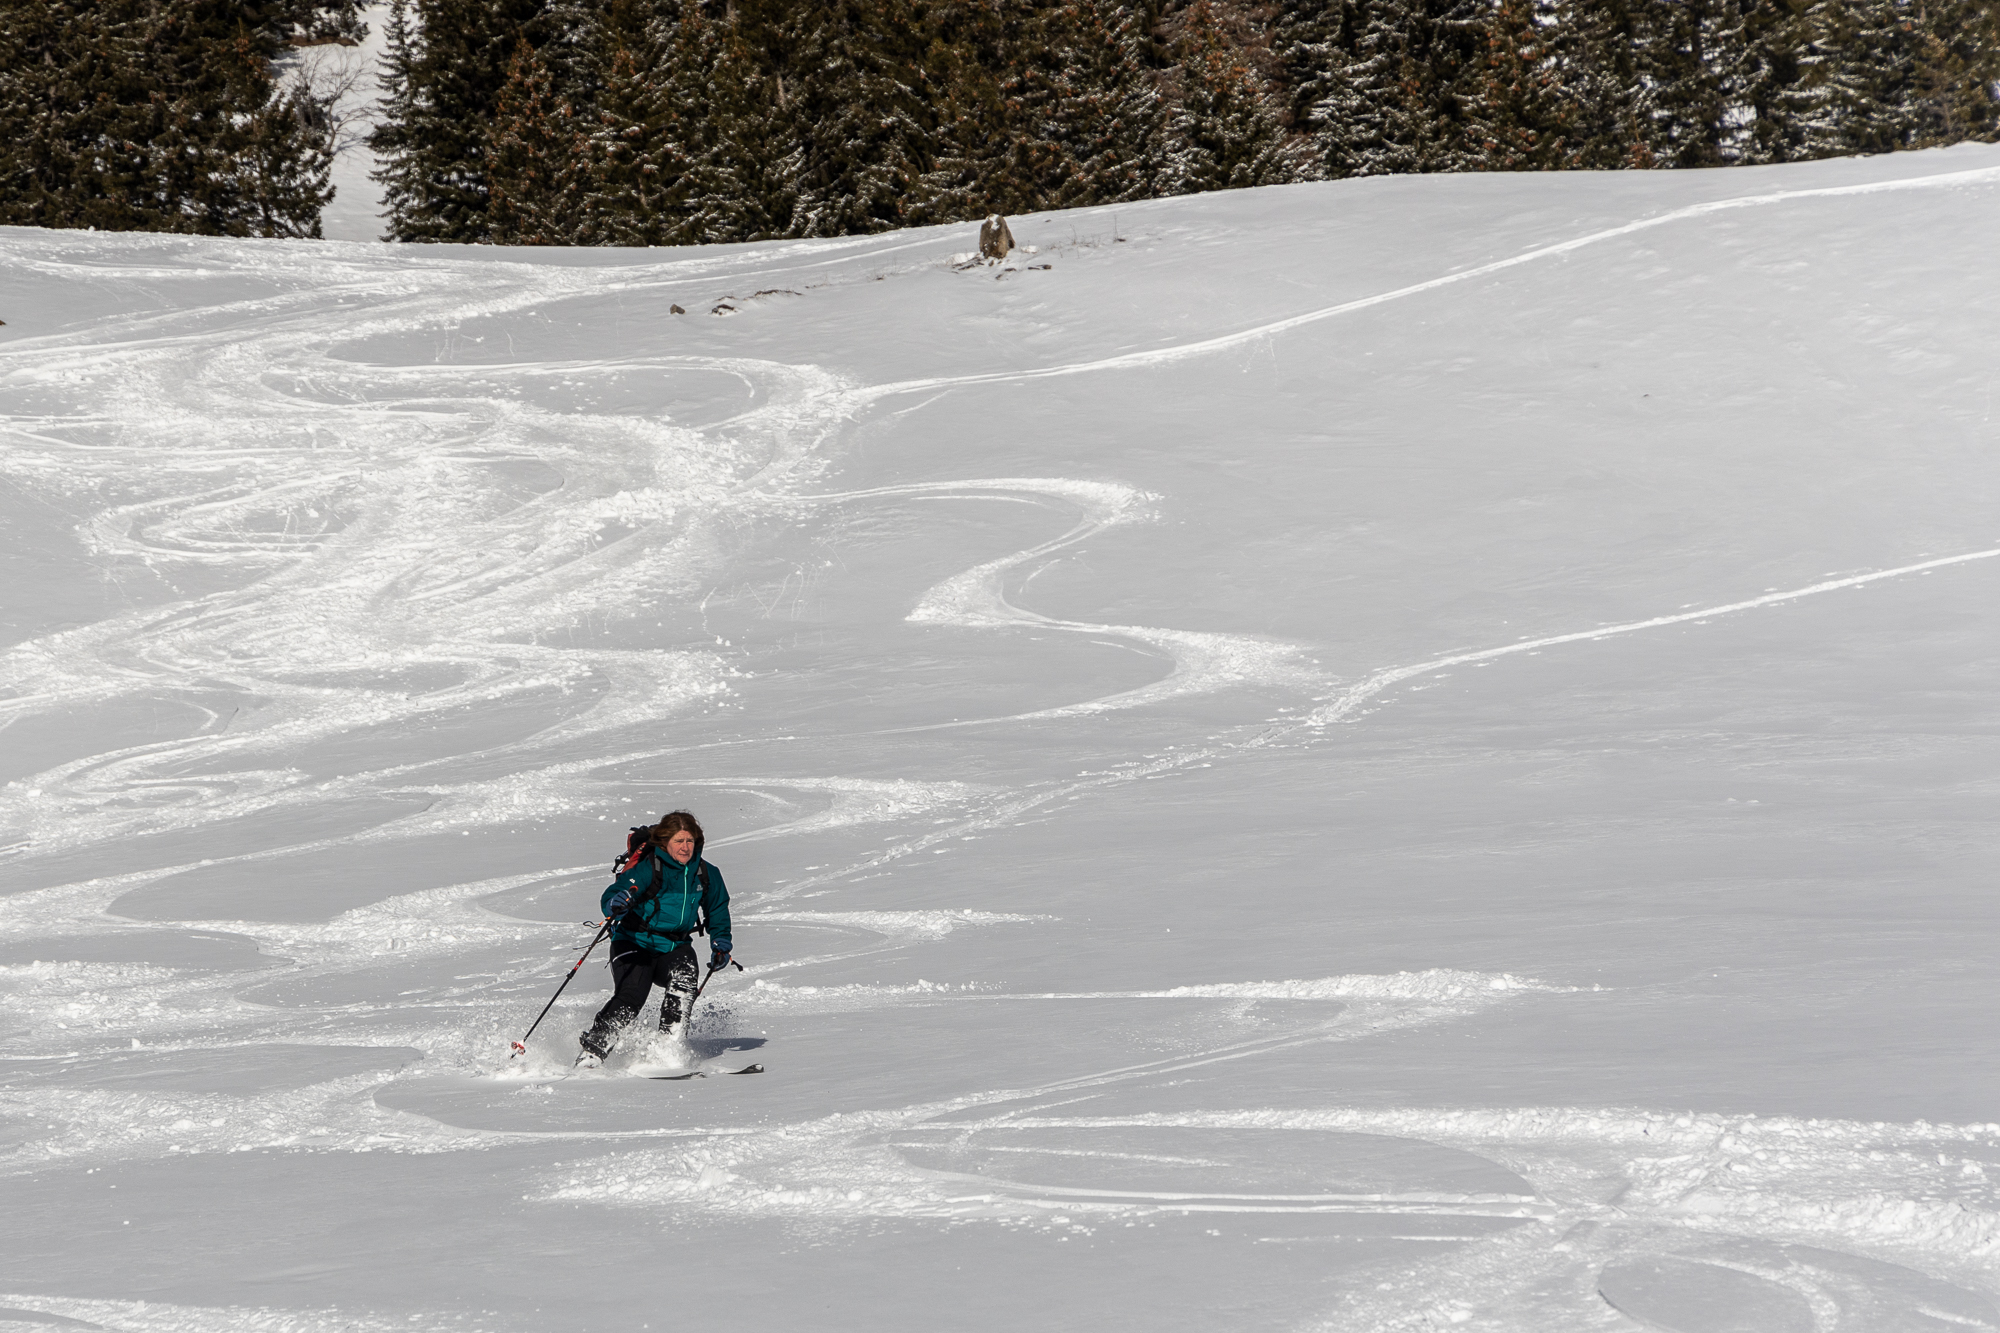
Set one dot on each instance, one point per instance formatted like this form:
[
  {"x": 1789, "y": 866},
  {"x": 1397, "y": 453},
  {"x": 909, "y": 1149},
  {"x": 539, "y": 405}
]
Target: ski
[{"x": 703, "y": 1073}]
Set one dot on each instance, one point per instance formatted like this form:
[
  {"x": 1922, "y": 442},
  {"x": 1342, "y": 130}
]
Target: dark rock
[{"x": 677, "y": 310}]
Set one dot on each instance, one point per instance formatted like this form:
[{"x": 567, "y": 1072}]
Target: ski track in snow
[
  {"x": 162, "y": 1317},
  {"x": 1205, "y": 346},
  {"x": 404, "y": 542},
  {"x": 1881, "y": 1226}
]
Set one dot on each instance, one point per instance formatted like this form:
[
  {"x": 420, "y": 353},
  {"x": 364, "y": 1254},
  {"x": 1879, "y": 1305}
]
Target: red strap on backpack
[{"x": 637, "y": 843}]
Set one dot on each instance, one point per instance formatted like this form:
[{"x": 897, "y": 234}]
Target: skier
[{"x": 657, "y": 905}]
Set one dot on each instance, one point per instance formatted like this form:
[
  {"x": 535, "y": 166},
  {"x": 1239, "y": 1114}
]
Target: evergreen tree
[
  {"x": 680, "y": 121},
  {"x": 313, "y": 22},
  {"x": 1956, "y": 74},
  {"x": 852, "y": 82},
  {"x": 1689, "y": 55},
  {"x": 751, "y": 154},
  {"x": 284, "y": 169},
  {"x": 1397, "y": 73},
  {"x": 1084, "y": 121},
  {"x": 157, "y": 115},
  {"x": 1610, "y": 106},
  {"x": 1520, "y": 112},
  {"x": 446, "y": 64},
  {"x": 633, "y": 160},
  {"x": 1311, "y": 43},
  {"x": 1831, "y": 98},
  {"x": 1223, "y": 131},
  {"x": 647, "y": 161},
  {"x": 1878, "y": 75},
  {"x": 965, "y": 49},
  {"x": 536, "y": 170}
]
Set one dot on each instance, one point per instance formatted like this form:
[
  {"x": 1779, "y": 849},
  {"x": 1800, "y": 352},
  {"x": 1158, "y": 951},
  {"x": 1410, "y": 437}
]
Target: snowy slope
[{"x": 1398, "y": 754}]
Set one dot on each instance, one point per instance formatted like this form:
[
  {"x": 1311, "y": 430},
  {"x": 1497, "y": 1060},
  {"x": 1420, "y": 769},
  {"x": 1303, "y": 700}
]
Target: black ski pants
[{"x": 635, "y": 970}]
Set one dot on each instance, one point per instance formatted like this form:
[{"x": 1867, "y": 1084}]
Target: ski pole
[
  {"x": 521, "y": 1046},
  {"x": 704, "y": 984}
]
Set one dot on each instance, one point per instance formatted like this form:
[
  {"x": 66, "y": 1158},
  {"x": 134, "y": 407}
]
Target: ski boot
[{"x": 596, "y": 1046}]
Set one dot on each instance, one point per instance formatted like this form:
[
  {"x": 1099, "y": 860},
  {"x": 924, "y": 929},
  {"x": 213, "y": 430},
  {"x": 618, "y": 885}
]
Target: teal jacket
[{"x": 661, "y": 920}]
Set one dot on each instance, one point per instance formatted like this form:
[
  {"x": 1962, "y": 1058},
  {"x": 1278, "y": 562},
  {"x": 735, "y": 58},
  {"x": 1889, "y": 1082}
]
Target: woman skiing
[{"x": 656, "y": 905}]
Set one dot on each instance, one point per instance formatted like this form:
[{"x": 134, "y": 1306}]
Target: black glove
[
  {"x": 718, "y": 958},
  {"x": 620, "y": 901}
]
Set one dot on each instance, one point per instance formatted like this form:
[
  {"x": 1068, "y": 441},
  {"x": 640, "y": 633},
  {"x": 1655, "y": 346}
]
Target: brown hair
[{"x": 673, "y": 822}]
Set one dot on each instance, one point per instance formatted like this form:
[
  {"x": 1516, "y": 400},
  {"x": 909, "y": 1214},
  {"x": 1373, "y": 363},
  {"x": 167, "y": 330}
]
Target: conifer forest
[{"x": 673, "y": 122}]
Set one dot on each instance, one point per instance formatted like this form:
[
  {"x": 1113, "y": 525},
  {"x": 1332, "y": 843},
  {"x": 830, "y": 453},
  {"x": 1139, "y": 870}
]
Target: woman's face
[{"x": 681, "y": 846}]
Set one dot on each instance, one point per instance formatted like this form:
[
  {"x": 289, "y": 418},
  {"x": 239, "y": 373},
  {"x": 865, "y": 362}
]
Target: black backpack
[{"x": 639, "y": 843}]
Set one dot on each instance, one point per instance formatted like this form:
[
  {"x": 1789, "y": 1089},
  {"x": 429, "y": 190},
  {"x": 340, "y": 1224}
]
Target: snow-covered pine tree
[
  {"x": 1690, "y": 56},
  {"x": 284, "y": 169},
  {"x": 652, "y": 159},
  {"x": 1610, "y": 105},
  {"x": 1306, "y": 37},
  {"x": 1881, "y": 75},
  {"x": 752, "y": 155},
  {"x": 536, "y": 176},
  {"x": 446, "y": 64},
  {"x": 1519, "y": 112},
  {"x": 630, "y": 159},
  {"x": 1957, "y": 73},
  {"x": 1395, "y": 73},
  {"x": 853, "y": 83},
  {"x": 1085, "y": 120},
  {"x": 1040, "y": 104},
  {"x": 1313, "y": 44},
  {"x": 70, "y": 88},
  {"x": 156, "y": 116},
  {"x": 1823, "y": 92},
  {"x": 1224, "y": 130},
  {"x": 965, "y": 49},
  {"x": 312, "y": 22}
]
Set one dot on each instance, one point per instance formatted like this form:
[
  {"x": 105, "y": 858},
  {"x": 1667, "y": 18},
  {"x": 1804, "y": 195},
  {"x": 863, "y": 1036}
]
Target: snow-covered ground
[{"x": 1389, "y": 755}]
